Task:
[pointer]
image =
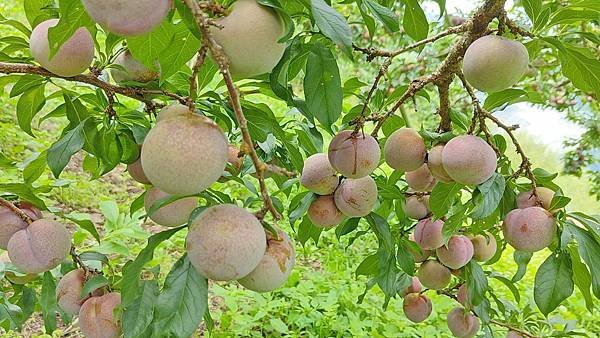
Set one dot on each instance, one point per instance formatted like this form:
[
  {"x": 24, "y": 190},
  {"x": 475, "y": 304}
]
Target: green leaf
[
  {"x": 589, "y": 250},
  {"x": 581, "y": 277},
  {"x": 323, "y": 86},
  {"x": 442, "y": 197},
  {"x": 183, "y": 300},
  {"x": 25, "y": 83},
  {"x": 509, "y": 284},
  {"x": 139, "y": 314},
  {"x": 147, "y": 48},
  {"x": 347, "y": 227},
  {"x": 477, "y": 283},
  {"x": 131, "y": 271},
  {"x": 92, "y": 284},
  {"x": 72, "y": 16},
  {"x": 386, "y": 16},
  {"x": 37, "y": 11},
  {"x": 287, "y": 19},
  {"x": 532, "y": 8},
  {"x": 307, "y": 230},
  {"x": 574, "y": 14},
  {"x": 559, "y": 202},
  {"x": 368, "y": 267},
  {"x": 84, "y": 222},
  {"x": 522, "y": 259},
  {"x": 382, "y": 230},
  {"x": 184, "y": 45},
  {"x": 48, "y": 301},
  {"x": 59, "y": 154},
  {"x": 553, "y": 282},
  {"x": 491, "y": 192},
  {"x": 507, "y": 96},
  {"x": 332, "y": 24},
  {"x": 35, "y": 168},
  {"x": 415, "y": 22},
  {"x": 30, "y": 103}
]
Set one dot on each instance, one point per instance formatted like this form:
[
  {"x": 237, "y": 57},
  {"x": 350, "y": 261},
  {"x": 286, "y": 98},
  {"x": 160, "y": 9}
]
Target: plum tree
[
  {"x": 356, "y": 197},
  {"x": 72, "y": 58},
  {"x": 417, "y": 307},
  {"x": 493, "y": 63},
  {"x": 130, "y": 69},
  {"x": 484, "y": 246},
  {"x": 97, "y": 319},
  {"x": 469, "y": 160},
  {"x": 275, "y": 267},
  {"x": 531, "y": 229},
  {"x": 428, "y": 234},
  {"x": 354, "y": 156},
  {"x": 462, "y": 324},
  {"x": 421, "y": 179},
  {"x": 318, "y": 175},
  {"x": 184, "y": 155},
  {"x": 43, "y": 245},
  {"x": 324, "y": 213},
  {"x": 434, "y": 275},
  {"x": 416, "y": 207},
  {"x": 435, "y": 164},
  {"x": 527, "y": 199},
  {"x": 250, "y": 26},
  {"x": 68, "y": 291},
  {"x": 419, "y": 255},
  {"x": 128, "y": 18},
  {"x": 225, "y": 242},
  {"x": 456, "y": 253},
  {"x": 414, "y": 287},
  {"x": 173, "y": 214},
  {"x": 405, "y": 150},
  {"x": 173, "y": 110}
]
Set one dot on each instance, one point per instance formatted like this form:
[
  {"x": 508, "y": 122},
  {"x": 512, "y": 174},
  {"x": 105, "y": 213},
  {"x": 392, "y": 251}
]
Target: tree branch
[
  {"x": 222, "y": 61},
  {"x": 26, "y": 218}
]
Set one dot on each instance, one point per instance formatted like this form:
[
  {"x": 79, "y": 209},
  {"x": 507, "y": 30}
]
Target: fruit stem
[{"x": 16, "y": 210}]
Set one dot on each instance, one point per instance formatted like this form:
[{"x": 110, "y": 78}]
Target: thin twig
[
  {"x": 194, "y": 77},
  {"x": 26, "y": 218}
]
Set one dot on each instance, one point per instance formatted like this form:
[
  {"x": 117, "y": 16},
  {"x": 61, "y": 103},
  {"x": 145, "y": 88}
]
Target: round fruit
[
  {"x": 126, "y": 17},
  {"x": 354, "y": 156},
  {"x": 435, "y": 164},
  {"x": 531, "y": 229},
  {"x": 493, "y": 63},
  {"x": 324, "y": 213},
  {"x": 68, "y": 292},
  {"x": 184, "y": 155},
  {"x": 318, "y": 175},
  {"x": 405, "y": 150},
  {"x": 136, "y": 172},
  {"x": 414, "y": 287},
  {"x": 72, "y": 58},
  {"x": 416, "y": 207},
  {"x": 173, "y": 214},
  {"x": 10, "y": 223},
  {"x": 97, "y": 319},
  {"x": 275, "y": 267},
  {"x": 226, "y": 242},
  {"x": 132, "y": 70},
  {"x": 356, "y": 197},
  {"x": 421, "y": 179},
  {"x": 428, "y": 234},
  {"x": 249, "y": 36},
  {"x": 469, "y": 160},
  {"x": 484, "y": 247},
  {"x": 526, "y": 199},
  {"x": 462, "y": 295},
  {"x": 418, "y": 254},
  {"x": 40, "y": 247},
  {"x": 457, "y": 253},
  {"x": 173, "y": 110},
  {"x": 434, "y": 275},
  {"x": 461, "y": 324},
  {"x": 417, "y": 307}
]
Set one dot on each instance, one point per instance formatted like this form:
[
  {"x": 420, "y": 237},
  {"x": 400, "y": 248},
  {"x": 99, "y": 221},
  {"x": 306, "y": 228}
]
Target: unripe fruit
[
  {"x": 72, "y": 58},
  {"x": 132, "y": 70},
  {"x": 250, "y": 27},
  {"x": 274, "y": 268},
  {"x": 184, "y": 155},
  {"x": 354, "y": 156},
  {"x": 419, "y": 256},
  {"x": 434, "y": 275},
  {"x": 421, "y": 179},
  {"x": 356, "y": 197},
  {"x": 68, "y": 292},
  {"x": 526, "y": 199},
  {"x": 469, "y": 160},
  {"x": 428, "y": 234},
  {"x": 457, "y": 253},
  {"x": 462, "y": 295},
  {"x": 405, "y": 150},
  {"x": 484, "y": 247},
  {"x": 493, "y": 63},
  {"x": 531, "y": 229},
  {"x": 40, "y": 247},
  {"x": 324, "y": 213},
  {"x": 461, "y": 324},
  {"x": 126, "y": 17},
  {"x": 226, "y": 242},
  {"x": 436, "y": 166},
  {"x": 136, "y": 172},
  {"x": 16, "y": 278},
  {"x": 414, "y": 287},
  {"x": 96, "y": 316},
  {"x": 173, "y": 214},
  {"x": 416, "y": 207},
  {"x": 173, "y": 110},
  {"x": 417, "y": 307},
  {"x": 318, "y": 175}
]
